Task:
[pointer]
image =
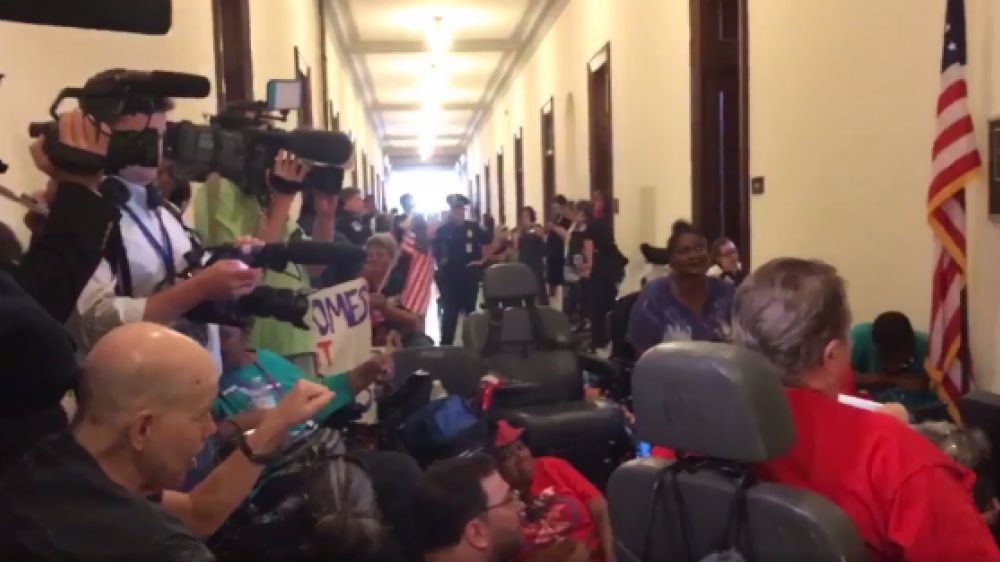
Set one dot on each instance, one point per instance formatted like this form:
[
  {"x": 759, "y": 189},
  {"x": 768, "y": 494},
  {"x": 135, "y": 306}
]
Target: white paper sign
[{"x": 340, "y": 318}]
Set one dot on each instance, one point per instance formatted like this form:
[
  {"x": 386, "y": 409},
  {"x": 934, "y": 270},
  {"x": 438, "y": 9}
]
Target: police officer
[
  {"x": 353, "y": 223},
  {"x": 459, "y": 248}
]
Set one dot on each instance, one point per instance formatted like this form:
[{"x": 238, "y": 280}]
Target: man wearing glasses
[{"x": 466, "y": 512}]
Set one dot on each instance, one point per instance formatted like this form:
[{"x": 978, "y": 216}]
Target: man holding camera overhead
[
  {"x": 225, "y": 211},
  {"x": 140, "y": 277}
]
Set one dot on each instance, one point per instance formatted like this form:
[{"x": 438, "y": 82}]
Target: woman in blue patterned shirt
[{"x": 685, "y": 305}]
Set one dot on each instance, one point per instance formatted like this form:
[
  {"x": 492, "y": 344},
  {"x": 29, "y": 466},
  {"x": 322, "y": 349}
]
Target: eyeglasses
[{"x": 513, "y": 496}]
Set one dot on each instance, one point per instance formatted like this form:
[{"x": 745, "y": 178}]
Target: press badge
[
  {"x": 468, "y": 248},
  {"x": 357, "y": 226}
]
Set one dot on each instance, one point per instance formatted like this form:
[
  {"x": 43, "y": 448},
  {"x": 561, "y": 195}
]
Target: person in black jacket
[
  {"x": 599, "y": 271},
  {"x": 37, "y": 294}
]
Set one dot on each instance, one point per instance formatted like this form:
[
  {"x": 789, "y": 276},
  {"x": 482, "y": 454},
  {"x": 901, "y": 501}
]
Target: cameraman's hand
[
  {"x": 226, "y": 279},
  {"x": 287, "y": 175},
  {"x": 247, "y": 242},
  {"x": 78, "y": 131},
  {"x": 325, "y": 204}
]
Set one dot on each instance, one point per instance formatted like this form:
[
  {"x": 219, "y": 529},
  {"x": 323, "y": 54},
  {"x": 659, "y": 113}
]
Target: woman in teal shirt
[{"x": 243, "y": 367}]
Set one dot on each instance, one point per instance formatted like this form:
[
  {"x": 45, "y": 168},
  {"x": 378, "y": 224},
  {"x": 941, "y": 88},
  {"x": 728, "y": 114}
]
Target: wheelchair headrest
[
  {"x": 713, "y": 400},
  {"x": 507, "y": 281}
]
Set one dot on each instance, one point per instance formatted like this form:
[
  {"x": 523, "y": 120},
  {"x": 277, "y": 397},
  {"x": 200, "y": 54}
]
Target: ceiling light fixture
[
  {"x": 426, "y": 149},
  {"x": 438, "y": 36}
]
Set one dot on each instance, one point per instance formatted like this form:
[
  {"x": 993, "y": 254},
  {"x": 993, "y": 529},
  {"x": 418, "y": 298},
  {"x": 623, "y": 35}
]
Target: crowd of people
[{"x": 179, "y": 422}]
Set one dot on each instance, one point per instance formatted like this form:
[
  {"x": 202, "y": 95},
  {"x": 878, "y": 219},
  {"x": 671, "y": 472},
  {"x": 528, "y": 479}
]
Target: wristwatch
[{"x": 262, "y": 459}]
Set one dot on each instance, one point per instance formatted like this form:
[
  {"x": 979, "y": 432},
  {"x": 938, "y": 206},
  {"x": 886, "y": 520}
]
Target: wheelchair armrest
[
  {"x": 613, "y": 377},
  {"x": 606, "y": 369}
]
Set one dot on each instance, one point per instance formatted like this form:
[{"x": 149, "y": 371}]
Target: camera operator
[
  {"x": 224, "y": 212},
  {"x": 139, "y": 279},
  {"x": 63, "y": 255},
  {"x": 37, "y": 362}
]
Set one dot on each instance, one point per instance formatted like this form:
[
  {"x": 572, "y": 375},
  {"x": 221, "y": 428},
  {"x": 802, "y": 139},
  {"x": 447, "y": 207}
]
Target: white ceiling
[{"x": 384, "y": 41}]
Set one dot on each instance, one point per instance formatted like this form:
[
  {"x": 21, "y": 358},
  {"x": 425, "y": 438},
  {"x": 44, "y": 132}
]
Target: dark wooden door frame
[
  {"x": 501, "y": 189},
  {"x": 304, "y": 75},
  {"x": 364, "y": 174},
  {"x": 487, "y": 194},
  {"x": 233, "y": 60},
  {"x": 697, "y": 129},
  {"x": 477, "y": 201},
  {"x": 602, "y": 61},
  {"x": 518, "y": 173},
  {"x": 333, "y": 118},
  {"x": 548, "y": 147}
]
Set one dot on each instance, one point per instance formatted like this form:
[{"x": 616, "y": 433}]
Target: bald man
[{"x": 144, "y": 414}]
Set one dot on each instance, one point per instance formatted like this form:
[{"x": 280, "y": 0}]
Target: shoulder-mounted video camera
[
  {"x": 107, "y": 96},
  {"x": 240, "y": 144}
]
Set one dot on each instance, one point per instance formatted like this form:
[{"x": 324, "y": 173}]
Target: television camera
[
  {"x": 286, "y": 305},
  {"x": 240, "y": 144}
]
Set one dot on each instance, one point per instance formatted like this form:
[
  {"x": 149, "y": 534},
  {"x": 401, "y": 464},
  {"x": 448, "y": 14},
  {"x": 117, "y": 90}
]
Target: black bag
[
  {"x": 444, "y": 428},
  {"x": 315, "y": 483}
]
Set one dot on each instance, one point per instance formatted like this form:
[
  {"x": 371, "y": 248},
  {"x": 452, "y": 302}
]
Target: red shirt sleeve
[
  {"x": 933, "y": 519},
  {"x": 575, "y": 481}
]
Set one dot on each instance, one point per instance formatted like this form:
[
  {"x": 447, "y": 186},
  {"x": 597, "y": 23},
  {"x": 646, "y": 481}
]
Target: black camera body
[
  {"x": 241, "y": 144},
  {"x": 286, "y": 305},
  {"x": 117, "y": 92}
]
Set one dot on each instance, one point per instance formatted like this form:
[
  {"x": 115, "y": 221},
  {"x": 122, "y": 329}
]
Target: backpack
[
  {"x": 444, "y": 428},
  {"x": 315, "y": 483}
]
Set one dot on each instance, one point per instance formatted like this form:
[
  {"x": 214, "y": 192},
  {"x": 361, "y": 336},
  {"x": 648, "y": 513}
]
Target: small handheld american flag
[{"x": 416, "y": 296}]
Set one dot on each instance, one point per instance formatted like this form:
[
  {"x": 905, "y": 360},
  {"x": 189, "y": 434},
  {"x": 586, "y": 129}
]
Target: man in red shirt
[
  {"x": 566, "y": 517},
  {"x": 908, "y": 500}
]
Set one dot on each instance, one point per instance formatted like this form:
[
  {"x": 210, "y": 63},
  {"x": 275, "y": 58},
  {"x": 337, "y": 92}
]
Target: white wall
[
  {"x": 276, "y": 27},
  {"x": 841, "y": 124},
  {"x": 39, "y": 61},
  {"x": 842, "y": 100},
  {"x": 651, "y": 144}
]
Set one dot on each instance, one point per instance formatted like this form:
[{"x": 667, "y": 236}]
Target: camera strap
[{"x": 164, "y": 250}]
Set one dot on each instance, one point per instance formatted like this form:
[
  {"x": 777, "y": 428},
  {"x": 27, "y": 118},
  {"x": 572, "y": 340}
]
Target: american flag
[
  {"x": 416, "y": 295},
  {"x": 956, "y": 161}
]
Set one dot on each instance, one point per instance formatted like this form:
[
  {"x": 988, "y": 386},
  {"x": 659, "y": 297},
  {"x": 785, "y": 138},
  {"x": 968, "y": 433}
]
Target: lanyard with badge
[
  {"x": 165, "y": 250},
  {"x": 469, "y": 235}
]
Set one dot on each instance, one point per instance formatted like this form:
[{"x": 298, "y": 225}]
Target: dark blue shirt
[
  {"x": 458, "y": 245},
  {"x": 659, "y": 316}
]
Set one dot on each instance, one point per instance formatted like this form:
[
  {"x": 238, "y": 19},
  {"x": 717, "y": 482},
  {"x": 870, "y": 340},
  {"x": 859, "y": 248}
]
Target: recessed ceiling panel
[
  {"x": 391, "y": 62},
  {"x": 408, "y": 20}
]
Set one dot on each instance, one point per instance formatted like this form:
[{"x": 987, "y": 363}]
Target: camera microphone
[
  {"x": 311, "y": 252},
  {"x": 276, "y": 257},
  {"x": 157, "y": 83}
]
